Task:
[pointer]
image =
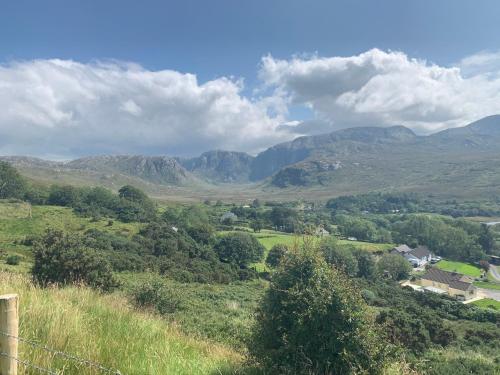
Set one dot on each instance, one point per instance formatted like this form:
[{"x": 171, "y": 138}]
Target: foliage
[
  {"x": 13, "y": 260},
  {"x": 64, "y": 259},
  {"x": 12, "y": 185},
  {"x": 275, "y": 255},
  {"x": 239, "y": 248},
  {"x": 338, "y": 256},
  {"x": 312, "y": 320},
  {"x": 395, "y": 266}
]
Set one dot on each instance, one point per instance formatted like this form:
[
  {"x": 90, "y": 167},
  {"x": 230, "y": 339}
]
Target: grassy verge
[
  {"x": 487, "y": 285},
  {"x": 488, "y": 303},
  {"x": 106, "y": 330},
  {"x": 463, "y": 268}
]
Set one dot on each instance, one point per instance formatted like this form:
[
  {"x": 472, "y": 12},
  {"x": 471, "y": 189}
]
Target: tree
[
  {"x": 65, "y": 259},
  {"x": 396, "y": 266},
  {"x": 256, "y": 225},
  {"x": 66, "y": 195},
  {"x": 12, "y": 185},
  {"x": 339, "y": 256},
  {"x": 275, "y": 255},
  {"x": 239, "y": 248},
  {"x": 312, "y": 320},
  {"x": 366, "y": 264}
]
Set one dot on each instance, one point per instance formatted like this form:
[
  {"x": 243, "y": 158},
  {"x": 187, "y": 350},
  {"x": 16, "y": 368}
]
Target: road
[
  {"x": 494, "y": 272},
  {"x": 489, "y": 293}
]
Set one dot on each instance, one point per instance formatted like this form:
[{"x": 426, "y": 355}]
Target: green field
[
  {"x": 487, "y": 285},
  {"x": 488, "y": 303},
  {"x": 463, "y": 268},
  {"x": 16, "y": 224}
]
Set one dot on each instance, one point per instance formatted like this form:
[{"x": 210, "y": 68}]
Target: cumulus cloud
[
  {"x": 61, "y": 108},
  {"x": 386, "y": 88}
]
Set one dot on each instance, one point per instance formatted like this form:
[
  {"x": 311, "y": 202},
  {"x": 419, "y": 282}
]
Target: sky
[{"x": 92, "y": 77}]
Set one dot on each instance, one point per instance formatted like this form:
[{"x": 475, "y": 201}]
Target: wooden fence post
[{"x": 9, "y": 324}]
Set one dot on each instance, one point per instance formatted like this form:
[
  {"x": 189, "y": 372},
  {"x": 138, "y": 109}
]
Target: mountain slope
[{"x": 220, "y": 166}]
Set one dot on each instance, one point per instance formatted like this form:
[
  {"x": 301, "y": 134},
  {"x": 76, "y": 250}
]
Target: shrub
[
  {"x": 277, "y": 252},
  {"x": 13, "y": 260},
  {"x": 239, "y": 248},
  {"x": 157, "y": 295},
  {"x": 313, "y": 321},
  {"x": 64, "y": 259}
]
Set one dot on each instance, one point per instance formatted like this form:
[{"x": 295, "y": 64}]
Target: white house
[{"x": 418, "y": 257}]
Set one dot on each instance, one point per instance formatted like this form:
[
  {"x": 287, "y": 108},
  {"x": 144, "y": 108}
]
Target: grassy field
[
  {"x": 104, "y": 329},
  {"x": 16, "y": 224},
  {"x": 488, "y": 303},
  {"x": 463, "y": 268},
  {"x": 487, "y": 285}
]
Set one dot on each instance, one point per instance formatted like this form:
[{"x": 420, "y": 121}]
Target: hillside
[
  {"x": 460, "y": 162},
  {"x": 95, "y": 327}
]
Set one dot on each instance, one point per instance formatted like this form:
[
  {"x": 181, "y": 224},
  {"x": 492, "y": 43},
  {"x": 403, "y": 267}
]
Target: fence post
[{"x": 9, "y": 324}]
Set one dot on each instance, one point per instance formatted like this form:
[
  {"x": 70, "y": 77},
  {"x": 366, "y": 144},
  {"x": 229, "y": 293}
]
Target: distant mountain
[
  {"x": 460, "y": 161},
  {"x": 155, "y": 169},
  {"x": 220, "y": 166}
]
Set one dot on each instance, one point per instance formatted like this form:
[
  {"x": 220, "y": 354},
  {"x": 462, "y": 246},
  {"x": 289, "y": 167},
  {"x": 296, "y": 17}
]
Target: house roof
[
  {"x": 453, "y": 279},
  {"x": 420, "y": 252},
  {"x": 402, "y": 249}
]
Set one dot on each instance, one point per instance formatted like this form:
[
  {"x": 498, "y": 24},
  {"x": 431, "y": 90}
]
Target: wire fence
[{"x": 67, "y": 356}]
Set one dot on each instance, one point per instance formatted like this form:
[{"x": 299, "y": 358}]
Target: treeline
[{"x": 385, "y": 203}]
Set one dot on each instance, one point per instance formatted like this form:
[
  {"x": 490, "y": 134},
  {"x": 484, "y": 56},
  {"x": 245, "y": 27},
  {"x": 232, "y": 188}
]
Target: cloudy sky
[{"x": 157, "y": 77}]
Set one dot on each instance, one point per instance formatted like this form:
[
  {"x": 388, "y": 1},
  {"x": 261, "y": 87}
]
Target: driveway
[
  {"x": 489, "y": 293},
  {"x": 494, "y": 272}
]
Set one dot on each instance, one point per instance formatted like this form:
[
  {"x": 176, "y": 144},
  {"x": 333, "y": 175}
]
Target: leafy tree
[
  {"x": 396, "y": 266},
  {"x": 12, "y": 185},
  {"x": 256, "y": 225},
  {"x": 339, "y": 256},
  {"x": 66, "y": 195},
  {"x": 64, "y": 259},
  {"x": 275, "y": 255},
  {"x": 239, "y": 248},
  {"x": 312, "y": 320},
  {"x": 366, "y": 264}
]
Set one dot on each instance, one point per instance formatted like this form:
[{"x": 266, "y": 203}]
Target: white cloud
[
  {"x": 387, "y": 88},
  {"x": 65, "y": 109}
]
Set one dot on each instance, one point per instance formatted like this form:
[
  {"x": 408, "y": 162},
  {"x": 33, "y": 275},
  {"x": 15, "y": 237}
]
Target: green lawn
[
  {"x": 488, "y": 303},
  {"x": 463, "y": 268},
  {"x": 487, "y": 285}
]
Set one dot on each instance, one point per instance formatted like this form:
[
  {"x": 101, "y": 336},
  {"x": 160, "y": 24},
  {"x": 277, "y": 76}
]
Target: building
[
  {"x": 418, "y": 257},
  {"x": 321, "y": 232},
  {"x": 452, "y": 283}
]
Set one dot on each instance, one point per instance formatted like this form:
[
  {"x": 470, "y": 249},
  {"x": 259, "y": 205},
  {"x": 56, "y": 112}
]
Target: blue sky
[{"x": 228, "y": 39}]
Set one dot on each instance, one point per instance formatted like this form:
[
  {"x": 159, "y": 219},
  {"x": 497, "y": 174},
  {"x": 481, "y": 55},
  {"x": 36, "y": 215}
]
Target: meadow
[
  {"x": 106, "y": 330},
  {"x": 488, "y": 303}
]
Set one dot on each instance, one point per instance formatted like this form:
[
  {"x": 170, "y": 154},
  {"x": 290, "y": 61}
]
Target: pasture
[{"x": 460, "y": 267}]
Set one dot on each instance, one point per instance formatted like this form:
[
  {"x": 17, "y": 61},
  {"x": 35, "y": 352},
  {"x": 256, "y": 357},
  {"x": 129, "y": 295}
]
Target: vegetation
[
  {"x": 488, "y": 303},
  {"x": 313, "y": 320}
]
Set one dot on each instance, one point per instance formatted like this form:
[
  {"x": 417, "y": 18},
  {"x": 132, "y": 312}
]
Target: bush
[
  {"x": 64, "y": 259},
  {"x": 157, "y": 295},
  {"x": 277, "y": 252},
  {"x": 13, "y": 260},
  {"x": 239, "y": 248},
  {"x": 313, "y": 321}
]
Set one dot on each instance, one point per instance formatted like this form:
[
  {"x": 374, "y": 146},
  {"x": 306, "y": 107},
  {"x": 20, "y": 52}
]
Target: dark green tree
[
  {"x": 64, "y": 259},
  {"x": 275, "y": 255},
  {"x": 239, "y": 248},
  {"x": 395, "y": 266},
  {"x": 312, "y": 320},
  {"x": 339, "y": 256},
  {"x": 12, "y": 185}
]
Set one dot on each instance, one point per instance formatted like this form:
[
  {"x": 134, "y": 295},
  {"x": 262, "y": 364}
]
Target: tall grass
[{"x": 106, "y": 330}]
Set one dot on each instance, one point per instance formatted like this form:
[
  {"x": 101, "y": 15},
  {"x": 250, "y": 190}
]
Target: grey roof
[
  {"x": 403, "y": 249},
  {"x": 420, "y": 252},
  {"x": 453, "y": 279}
]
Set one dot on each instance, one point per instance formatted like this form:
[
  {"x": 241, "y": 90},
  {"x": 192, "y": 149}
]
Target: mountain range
[{"x": 454, "y": 162}]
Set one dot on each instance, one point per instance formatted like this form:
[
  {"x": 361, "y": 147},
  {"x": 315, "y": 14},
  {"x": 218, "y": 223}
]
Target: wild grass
[{"x": 105, "y": 329}]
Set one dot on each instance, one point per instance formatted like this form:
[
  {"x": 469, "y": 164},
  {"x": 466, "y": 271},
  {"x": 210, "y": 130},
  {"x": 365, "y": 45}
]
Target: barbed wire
[
  {"x": 26, "y": 363},
  {"x": 72, "y": 357}
]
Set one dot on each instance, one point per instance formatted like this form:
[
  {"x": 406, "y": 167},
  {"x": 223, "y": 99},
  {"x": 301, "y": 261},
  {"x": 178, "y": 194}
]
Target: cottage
[
  {"x": 418, "y": 257},
  {"x": 321, "y": 232},
  {"x": 452, "y": 283}
]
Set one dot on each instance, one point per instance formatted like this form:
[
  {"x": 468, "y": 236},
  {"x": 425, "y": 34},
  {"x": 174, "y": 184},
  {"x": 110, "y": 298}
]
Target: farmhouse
[
  {"x": 452, "y": 283},
  {"x": 321, "y": 232},
  {"x": 418, "y": 257}
]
